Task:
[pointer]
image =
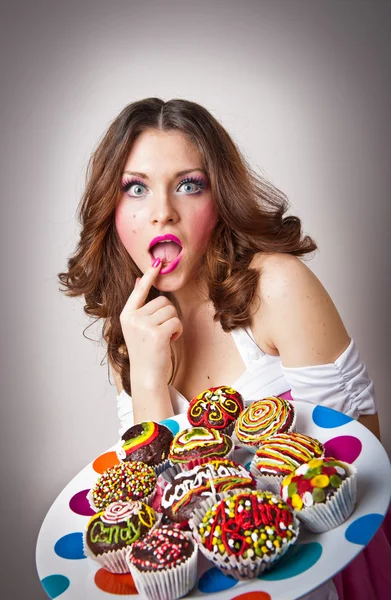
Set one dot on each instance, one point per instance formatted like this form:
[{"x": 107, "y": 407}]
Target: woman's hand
[{"x": 148, "y": 330}]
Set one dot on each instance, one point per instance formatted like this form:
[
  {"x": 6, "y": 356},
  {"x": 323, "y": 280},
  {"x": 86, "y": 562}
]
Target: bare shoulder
[{"x": 297, "y": 314}]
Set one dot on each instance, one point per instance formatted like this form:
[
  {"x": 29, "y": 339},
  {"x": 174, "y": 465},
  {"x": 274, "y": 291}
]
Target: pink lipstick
[{"x": 171, "y": 264}]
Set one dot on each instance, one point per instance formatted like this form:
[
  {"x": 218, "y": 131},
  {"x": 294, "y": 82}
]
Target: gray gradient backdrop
[{"x": 303, "y": 86}]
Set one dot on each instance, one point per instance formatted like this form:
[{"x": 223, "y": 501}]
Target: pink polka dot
[
  {"x": 80, "y": 505},
  {"x": 345, "y": 447}
]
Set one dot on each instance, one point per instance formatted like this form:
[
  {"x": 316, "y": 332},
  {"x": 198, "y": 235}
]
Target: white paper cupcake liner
[
  {"x": 265, "y": 482},
  {"x": 147, "y": 499},
  {"x": 253, "y": 447},
  {"x": 243, "y": 568},
  {"x": 335, "y": 511},
  {"x": 170, "y": 584},
  {"x": 114, "y": 561}
]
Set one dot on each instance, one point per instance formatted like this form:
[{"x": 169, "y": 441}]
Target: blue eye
[
  {"x": 192, "y": 182},
  {"x": 126, "y": 186}
]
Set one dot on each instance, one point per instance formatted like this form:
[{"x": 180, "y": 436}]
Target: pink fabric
[
  {"x": 286, "y": 395},
  {"x": 368, "y": 576}
]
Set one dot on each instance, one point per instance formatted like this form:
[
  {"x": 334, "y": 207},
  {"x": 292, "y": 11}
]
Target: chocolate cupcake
[
  {"x": 199, "y": 445},
  {"x": 186, "y": 490},
  {"x": 262, "y": 419},
  {"x": 280, "y": 455},
  {"x": 164, "y": 564},
  {"x": 244, "y": 533},
  {"x": 148, "y": 442},
  {"x": 217, "y": 408},
  {"x": 111, "y": 532},
  {"x": 126, "y": 481},
  {"x": 323, "y": 493}
]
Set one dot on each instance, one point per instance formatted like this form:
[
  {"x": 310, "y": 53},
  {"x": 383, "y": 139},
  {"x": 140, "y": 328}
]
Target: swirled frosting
[
  {"x": 284, "y": 452},
  {"x": 199, "y": 442},
  {"x": 264, "y": 418},
  {"x": 216, "y": 407},
  {"x": 189, "y": 488},
  {"x": 147, "y": 442}
]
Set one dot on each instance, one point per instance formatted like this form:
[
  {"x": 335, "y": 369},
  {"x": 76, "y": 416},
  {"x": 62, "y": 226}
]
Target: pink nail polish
[{"x": 156, "y": 262}]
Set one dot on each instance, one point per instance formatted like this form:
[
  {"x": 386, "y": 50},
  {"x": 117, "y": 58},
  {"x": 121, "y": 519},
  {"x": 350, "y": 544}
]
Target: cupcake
[
  {"x": 199, "y": 445},
  {"x": 244, "y": 533},
  {"x": 148, "y": 442},
  {"x": 217, "y": 408},
  {"x": 186, "y": 490},
  {"x": 126, "y": 481},
  {"x": 164, "y": 564},
  {"x": 264, "y": 418},
  {"x": 323, "y": 492},
  {"x": 112, "y": 531},
  {"x": 280, "y": 455}
]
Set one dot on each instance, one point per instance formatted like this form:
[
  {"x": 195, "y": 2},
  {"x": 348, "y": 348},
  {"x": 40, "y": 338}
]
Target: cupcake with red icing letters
[
  {"x": 217, "y": 408},
  {"x": 164, "y": 564},
  {"x": 245, "y": 532},
  {"x": 262, "y": 419},
  {"x": 323, "y": 493}
]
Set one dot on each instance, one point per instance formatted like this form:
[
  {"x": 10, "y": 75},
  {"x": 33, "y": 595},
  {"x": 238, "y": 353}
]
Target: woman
[{"x": 186, "y": 255}]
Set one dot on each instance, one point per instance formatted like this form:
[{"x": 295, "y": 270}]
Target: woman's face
[{"x": 166, "y": 207}]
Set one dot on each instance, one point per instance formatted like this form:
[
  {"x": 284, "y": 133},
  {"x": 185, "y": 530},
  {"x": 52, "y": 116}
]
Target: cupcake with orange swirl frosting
[
  {"x": 279, "y": 455},
  {"x": 197, "y": 445},
  {"x": 262, "y": 419},
  {"x": 217, "y": 408},
  {"x": 110, "y": 533},
  {"x": 147, "y": 442}
]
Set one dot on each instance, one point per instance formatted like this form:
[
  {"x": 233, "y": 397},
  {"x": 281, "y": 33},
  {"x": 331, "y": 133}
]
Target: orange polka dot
[
  {"x": 121, "y": 584},
  {"x": 104, "y": 461},
  {"x": 253, "y": 596}
]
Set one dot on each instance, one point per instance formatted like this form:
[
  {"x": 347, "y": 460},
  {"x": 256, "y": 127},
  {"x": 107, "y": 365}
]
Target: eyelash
[{"x": 126, "y": 185}]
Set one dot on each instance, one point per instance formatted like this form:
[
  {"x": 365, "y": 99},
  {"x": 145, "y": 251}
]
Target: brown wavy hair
[{"x": 251, "y": 220}]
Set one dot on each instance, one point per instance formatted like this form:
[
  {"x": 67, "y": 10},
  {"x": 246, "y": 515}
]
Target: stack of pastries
[{"x": 171, "y": 496}]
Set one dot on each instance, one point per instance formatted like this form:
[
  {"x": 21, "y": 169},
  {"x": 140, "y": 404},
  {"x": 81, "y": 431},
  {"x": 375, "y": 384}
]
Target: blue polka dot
[
  {"x": 363, "y": 529},
  {"x": 70, "y": 546},
  {"x": 247, "y": 465},
  {"x": 54, "y": 585},
  {"x": 328, "y": 417},
  {"x": 172, "y": 425},
  {"x": 215, "y": 581},
  {"x": 299, "y": 558}
]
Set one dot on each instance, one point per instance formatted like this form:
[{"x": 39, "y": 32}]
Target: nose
[{"x": 162, "y": 209}]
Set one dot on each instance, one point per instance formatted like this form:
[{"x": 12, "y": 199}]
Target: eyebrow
[{"x": 144, "y": 176}]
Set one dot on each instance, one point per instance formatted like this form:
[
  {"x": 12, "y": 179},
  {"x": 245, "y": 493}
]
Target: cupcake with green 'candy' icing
[{"x": 323, "y": 493}]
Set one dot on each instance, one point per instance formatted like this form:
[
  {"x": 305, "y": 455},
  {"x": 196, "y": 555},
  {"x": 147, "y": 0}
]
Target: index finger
[{"x": 140, "y": 293}]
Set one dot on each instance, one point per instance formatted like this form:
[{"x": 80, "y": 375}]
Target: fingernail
[{"x": 156, "y": 262}]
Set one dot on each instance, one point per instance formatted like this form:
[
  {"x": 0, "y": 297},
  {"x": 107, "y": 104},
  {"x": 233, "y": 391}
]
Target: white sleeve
[
  {"x": 125, "y": 412},
  {"x": 343, "y": 385}
]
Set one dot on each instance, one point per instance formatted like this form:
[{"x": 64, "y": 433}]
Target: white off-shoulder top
[{"x": 343, "y": 385}]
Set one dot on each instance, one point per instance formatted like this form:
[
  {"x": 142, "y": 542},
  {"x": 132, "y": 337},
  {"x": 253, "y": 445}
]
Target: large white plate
[{"x": 331, "y": 551}]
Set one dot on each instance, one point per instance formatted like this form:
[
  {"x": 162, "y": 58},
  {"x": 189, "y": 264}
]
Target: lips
[{"x": 168, "y": 248}]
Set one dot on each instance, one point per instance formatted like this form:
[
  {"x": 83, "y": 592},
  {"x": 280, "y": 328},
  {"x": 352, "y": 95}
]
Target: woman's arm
[{"x": 297, "y": 319}]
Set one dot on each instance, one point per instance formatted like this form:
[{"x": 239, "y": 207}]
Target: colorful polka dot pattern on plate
[
  {"x": 55, "y": 585},
  {"x": 298, "y": 559},
  {"x": 80, "y": 505},
  {"x": 253, "y": 596},
  {"x": 345, "y": 447},
  {"x": 104, "y": 461},
  {"x": 213, "y": 581},
  {"x": 172, "y": 425},
  {"x": 329, "y": 418},
  {"x": 362, "y": 530},
  {"x": 70, "y": 546},
  {"x": 119, "y": 584}
]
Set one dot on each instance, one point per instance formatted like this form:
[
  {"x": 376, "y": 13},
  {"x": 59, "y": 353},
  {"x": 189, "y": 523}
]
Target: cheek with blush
[
  {"x": 128, "y": 229},
  {"x": 205, "y": 222}
]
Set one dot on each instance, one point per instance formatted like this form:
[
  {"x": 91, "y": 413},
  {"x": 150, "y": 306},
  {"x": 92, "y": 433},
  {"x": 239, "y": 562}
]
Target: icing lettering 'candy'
[
  {"x": 161, "y": 549},
  {"x": 216, "y": 407},
  {"x": 199, "y": 442},
  {"x": 204, "y": 480},
  {"x": 283, "y": 453},
  {"x": 313, "y": 482},
  {"x": 150, "y": 431},
  {"x": 264, "y": 418},
  {"x": 249, "y": 524},
  {"x": 125, "y": 481}
]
